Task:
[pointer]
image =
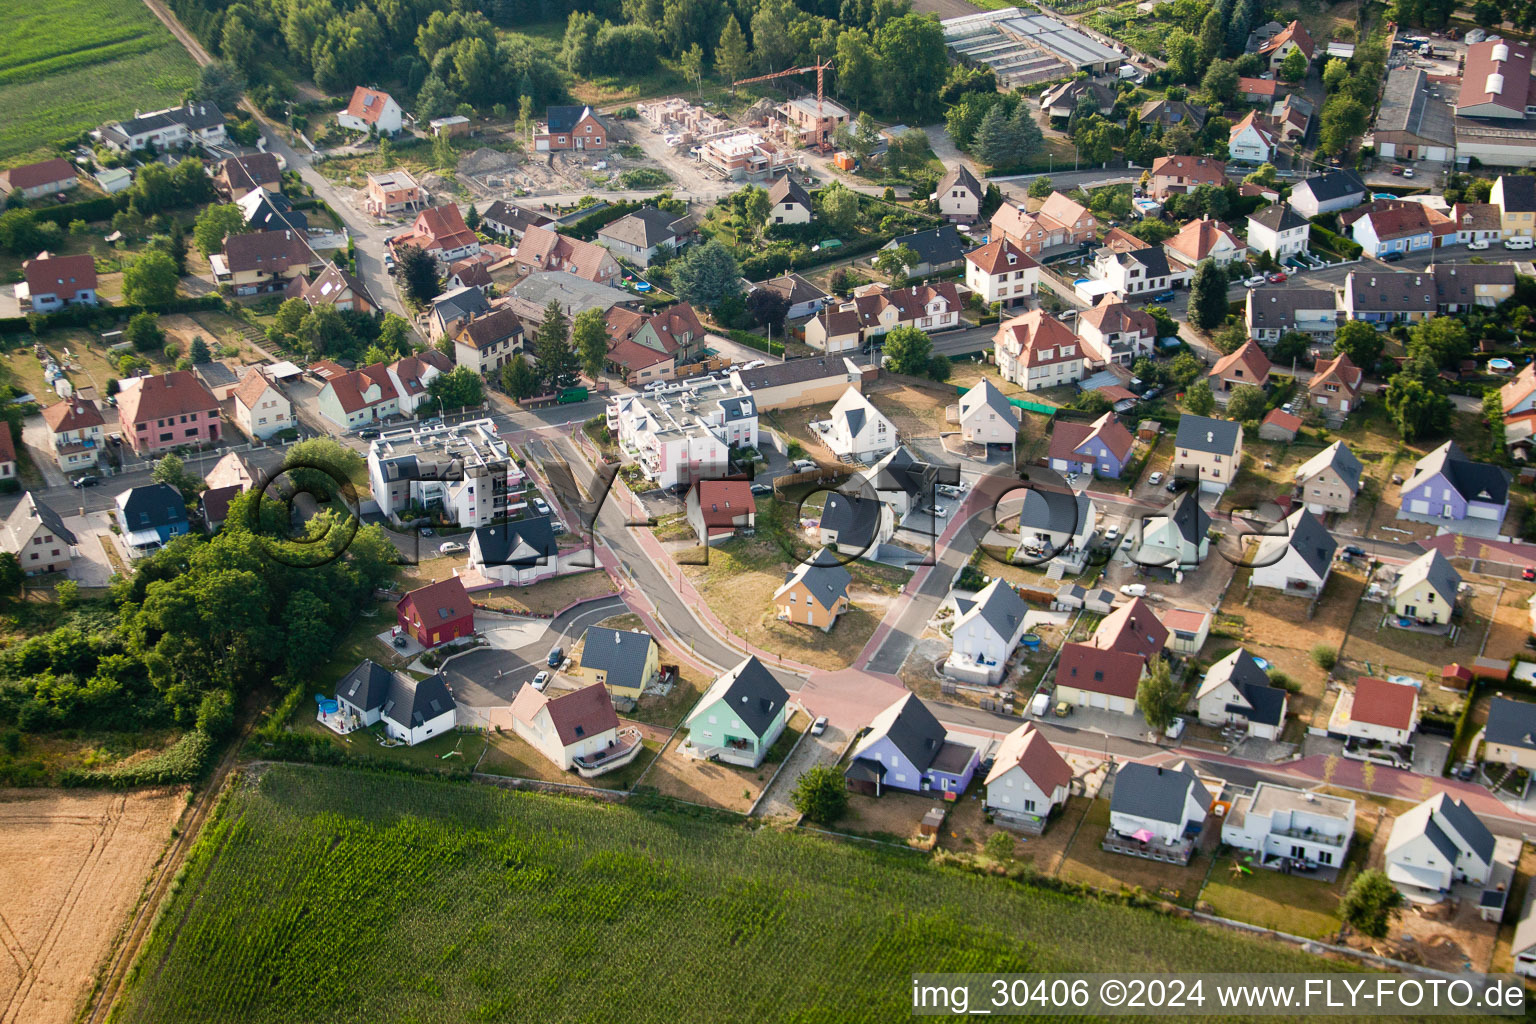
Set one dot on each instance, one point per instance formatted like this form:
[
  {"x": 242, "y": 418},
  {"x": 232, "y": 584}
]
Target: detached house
[
  {"x": 937, "y": 249},
  {"x": 1252, "y": 140},
  {"x": 639, "y": 236},
  {"x": 1297, "y": 561},
  {"x": 1174, "y": 175},
  {"x": 1426, "y": 589},
  {"x": 371, "y": 109},
  {"x": 1328, "y": 192},
  {"x": 986, "y": 417},
  {"x": 261, "y": 410},
  {"x": 789, "y": 202},
  {"x": 1278, "y": 230},
  {"x": 34, "y": 181},
  {"x": 647, "y": 347},
  {"x": 805, "y": 298},
  {"x": 1179, "y": 536},
  {"x": 1001, "y": 272},
  {"x": 1334, "y": 389},
  {"x": 856, "y": 525},
  {"x": 1206, "y": 239},
  {"x": 150, "y": 516},
  {"x": 1435, "y": 845},
  {"x": 197, "y": 123},
  {"x": 1133, "y": 628},
  {"x": 1029, "y": 779},
  {"x": 359, "y": 398},
  {"x": 1132, "y": 273},
  {"x": 543, "y": 249},
  {"x": 1282, "y": 825},
  {"x": 1123, "y": 333},
  {"x": 441, "y": 233},
  {"x": 1377, "y": 710},
  {"x": 511, "y": 220},
  {"x": 1247, "y": 365},
  {"x": 1101, "y": 448},
  {"x": 567, "y": 727},
  {"x": 1330, "y": 480},
  {"x": 815, "y": 592},
  {"x": 1036, "y": 351},
  {"x": 239, "y": 176},
  {"x": 1510, "y": 735},
  {"x": 490, "y": 341},
  {"x": 1059, "y": 223},
  {"x": 740, "y": 716},
  {"x": 1447, "y": 485},
  {"x": 1158, "y": 811},
  {"x": 264, "y": 261},
  {"x": 1386, "y": 227},
  {"x": 1237, "y": 691},
  {"x": 412, "y": 710},
  {"x": 1515, "y": 196},
  {"x": 167, "y": 411},
  {"x": 389, "y": 193},
  {"x": 437, "y": 613},
  {"x": 1093, "y": 677},
  {"x": 1056, "y": 522},
  {"x": 332, "y": 287},
  {"x": 75, "y": 434},
  {"x": 908, "y": 749},
  {"x": 1208, "y": 450},
  {"x": 626, "y": 661},
  {"x": 515, "y": 554},
  {"x": 986, "y": 630},
  {"x": 1279, "y": 46},
  {"x": 53, "y": 282},
  {"x": 959, "y": 196},
  {"x": 565, "y": 128},
  {"x": 1166, "y": 113},
  {"x": 719, "y": 509},
  {"x": 37, "y": 536},
  {"x": 859, "y": 432}
]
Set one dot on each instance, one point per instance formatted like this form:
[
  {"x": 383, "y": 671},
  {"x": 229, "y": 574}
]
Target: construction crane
[{"x": 821, "y": 69}]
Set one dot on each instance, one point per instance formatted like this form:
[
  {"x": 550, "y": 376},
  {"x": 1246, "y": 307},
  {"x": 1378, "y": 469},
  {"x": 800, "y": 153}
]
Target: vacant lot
[
  {"x": 1087, "y": 861},
  {"x": 72, "y": 865},
  {"x": 1288, "y": 903},
  {"x": 548, "y": 597},
  {"x": 915, "y": 411}
]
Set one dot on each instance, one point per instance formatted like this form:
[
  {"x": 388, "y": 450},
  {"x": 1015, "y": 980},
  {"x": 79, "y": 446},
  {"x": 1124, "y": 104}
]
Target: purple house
[
  {"x": 908, "y": 749},
  {"x": 1447, "y": 485},
  {"x": 1102, "y": 447}
]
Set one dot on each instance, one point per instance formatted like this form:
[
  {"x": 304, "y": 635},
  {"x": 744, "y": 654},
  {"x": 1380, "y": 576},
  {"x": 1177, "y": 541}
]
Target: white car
[
  {"x": 1478, "y": 244},
  {"x": 541, "y": 681},
  {"x": 1134, "y": 590},
  {"x": 452, "y": 547},
  {"x": 1407, "y": 172},
  {"x": 1255, "y": 281},
  {"x": 1112, "y": 534},
  {"x": 937, "y": 511},
  {"x": 1155, "y": 479}
]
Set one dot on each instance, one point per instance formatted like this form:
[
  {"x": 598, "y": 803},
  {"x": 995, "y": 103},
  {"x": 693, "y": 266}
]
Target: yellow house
[
  {"x": 1426, "y": 589},
  {"x": 1510, "y": 735},
  {"x": 1515, "y": 196},
  {"x": 626, "y": 661},
  {"x": 815, "y": 593}
]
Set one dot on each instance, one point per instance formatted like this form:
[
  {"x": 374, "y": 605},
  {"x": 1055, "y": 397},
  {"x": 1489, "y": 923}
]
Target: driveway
[
  {"x": 491, "y": 676},
  {"x": 813, "y": 750},
  {"x": 35, "y": 436},
  {"x": 90, "y": 567}
]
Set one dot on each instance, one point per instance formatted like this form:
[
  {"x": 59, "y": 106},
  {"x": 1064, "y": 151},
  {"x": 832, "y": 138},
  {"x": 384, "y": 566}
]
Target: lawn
[
  {"x": 511, "y": 755},
  {"x": 450, "y": 901},
  {"x": 1289, "y": 903},
  {"x": 550, "y": 596},
  {"x": 1088, "y": 862},
  {"x": 447, "y": 751},
  {"x": 72, "y": 65}
]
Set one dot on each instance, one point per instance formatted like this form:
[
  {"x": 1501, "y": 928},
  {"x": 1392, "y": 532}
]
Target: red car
[
  {"x": 1278, "y": 277},
  {"x": 1528, "y": 573}
]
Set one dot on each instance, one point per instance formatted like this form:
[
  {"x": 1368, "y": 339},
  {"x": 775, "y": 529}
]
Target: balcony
[
  {"x": 1309, "y": 835},
  {"x": 617, "y": 754}
]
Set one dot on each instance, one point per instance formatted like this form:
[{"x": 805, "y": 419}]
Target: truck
[{"x": 572, "y": 395}]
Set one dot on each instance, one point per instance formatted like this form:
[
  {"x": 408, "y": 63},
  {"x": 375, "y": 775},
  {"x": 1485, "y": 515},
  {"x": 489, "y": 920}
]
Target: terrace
[
  {"x": 1149, "y": 847},
  {"x": 617, "y": 754}
]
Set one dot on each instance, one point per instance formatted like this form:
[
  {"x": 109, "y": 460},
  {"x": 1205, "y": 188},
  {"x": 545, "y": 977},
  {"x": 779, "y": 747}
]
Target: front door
[{"x": 1449, "y": 512}]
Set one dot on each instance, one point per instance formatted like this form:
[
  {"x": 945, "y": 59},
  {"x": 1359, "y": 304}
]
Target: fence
[{"x": 1021, "y": 403}]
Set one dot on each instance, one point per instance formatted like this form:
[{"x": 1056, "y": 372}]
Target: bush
[
  {"x": 183, "y": 761},
  {"x": 821, "y": 794},
  {"x": 1325, "y": 657}
]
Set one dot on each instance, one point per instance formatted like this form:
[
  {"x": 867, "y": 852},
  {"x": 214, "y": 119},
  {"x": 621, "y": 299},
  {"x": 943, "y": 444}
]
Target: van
[{"x": 1519, "y": 242}]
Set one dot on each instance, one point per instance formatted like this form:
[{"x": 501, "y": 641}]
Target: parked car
[
  {"x": 1063, "y": 709},
  {"x": 802, "y": 465},
  {"x": 541, "y": 681},
  {"x": 1163, "y": 297},
  {"x": 1392, "y": 257},
  {"x": 1155, "y": 479},
  {"x": 368, "y": 435},
  {"x": 85, "y": 481},
  {"x": 1256, "y": 281},
  {"x": 541, "y": 506},
  {"x": 1278, "y": 277},
  {"x": 1112, "y": 534},
  {"x": 1352, "y": 551},
  {"x": 1407, "y": 172},
  {"x": 1528, "y": 573},
  {"x": 819, "y": 726},
  {"x": 452, "y": 547},
  {"x": 949, "y": 490},
  {"x": 1134, "y": 590},
  {"x": 937, "y": 511},
  {"x": 1176, "y": 485},
  {"x": 1478, "y": 244},
  {"x": 435, "y": 421},
  {"x": 556, "y": 656},
  {"x": 426, "y": 531},
  {"x": 761, "y": 489},
  {"x": 556, "y": 527},
  {"x": 402, "y": 641}
]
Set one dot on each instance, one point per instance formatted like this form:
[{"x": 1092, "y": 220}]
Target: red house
[{"x": 437, "y": 613}]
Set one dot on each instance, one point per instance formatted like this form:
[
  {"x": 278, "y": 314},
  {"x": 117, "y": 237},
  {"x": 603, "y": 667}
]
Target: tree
[
  {"x": 1441, "y": 340},
  {"x": 1028, "y": 139},
  {"x": 1185, "y": 369},
  {"x": 907, "y": 350},
  {"x": 150, "y": 280},
  {"x": 472, "y": 218},
  {"x": 1230, "y": 337},
  {"x": 518, "y": 378},
  {"x": 143, "y": 331},
  {"x": 1198, "y": 398},
  {"x": 443, "y": 154},
  {"x": 897, "y": 263},
  {"x": 176, "y": 246},
  {"x": 691, "y": 64},
  {"x": 1246, "y": 403},
  {"x": 1416, "y": 409},
  {"x": 731, "y": 57},
  {"x": 755, "y": 207},
  {"x": 839, "y": 207},
  {"x": 1343, "y": 121},
  {"x": 706, "y": 274},
  {"x": 768, "y": 308},
  {"x": 993, "y": 144},
  {"x": 1361, "y": 342},
  {"x": 1208, "y": 297},
  {"x": 435, "y": 99},
  {"x": 419, "y": 272},
  {"x": 198, "y": 352},
  {"x": 1041, "y": 188},
  {"x": 589, "y": 333},
  {"x": 1265, "y": 174},
  {"x": 914, "y": 64},
  {"x": 220, "y": 86},
  {"x": 1213, "y": 35},
  {"x": 1220, "y": 82},
  {"x": 1157, "y": 697},
  {"x": 1493, "y": 415},
  {"x": 557, "y": 364},
  {"x": 999, "y": 845},
  {"x": 11, "y": 576},
  {"x": 1291, "y": 347},
  {"x": 821, "y": 794},
  {"x": 1372, "y": 904},
  {"x": 459, "y": 388},
  {"x": 324, "y": 329},
  {"x": 1335, "y": 74},
  {"x": 290, "y": 314},
  {"x": 1294, "y": 67},
  {"x": 173, "y": 472}
]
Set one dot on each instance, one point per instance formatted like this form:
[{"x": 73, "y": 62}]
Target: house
[
  {"x": 1412, "y": 122},
  {"x": 1460, "y": 287},
  {"x": 1279, "y": 46},
  {"x": 856, "y": 525},
  {"x": 928, "y": 307},
  {"x": 1178, "y": 536},
  {"x": 543, "y": 249},
  {"x": 1296, "y": 561},
  {"x": 412, "y": 710},
  {"x": 196, "y": 123},
  {"x": 1162, "y": 808},
  {"x": 1426, "y": 590},
  {"x": 37, "y": 536},
  {"x": 371, "y": 110},
  {"x": 937, "y": 249},
  {"x": 1060, "y": 522},
  {"x": 1253, "y": 140},
  {"x": 1028, "y": 780},
  {"x": 168, "y": 410},
  {"x": 239, "y": 176},
  {"x": 1036, "y": 351},
  {"x": 1000, "y": 272},
  {"x": 1292, "y": 118},
  {"x": 805, "y": 298},
  {"x": 261, "y": 410},
  {"x": 1378, "y": 710},
  {"x": 807, "y": 122},
  {"x": 516, "y": 553},
  {"x": 34, "y": 181},
  {"x": 1330, "y": 480},
  {"x": 639, "y": 236},
  {"x": 1133, "y": 273},
  {"x": 902, "y": 482},
  {"x": 566, "y": 128},
  {"x": 626, "y": 661},
  {"x": 263, "y": 261},
  {"x": 1166, "y": 113},
  {"x": 489, "y": 341},
  {"x": 815, "y": 592},
  {"x": 1447, "y": 485},
  {"x": 1385, "y": 226},
  {"x": 1246, "y": 365},
  {"x": 1063, "y": 98},
  {"x": 798, "y": 382},
  {"x": 959, "y": 196},
  {"x": 834, "y": 330},
  {"x": 455, "y": 308},
  {"x": 1132, "y": 628},
  {"x": 686, "y": 434},
  {"x": 986, "y": 417},
  {"x": 474, "y": 272},
  {"x": 359, "y": 398},
  {"x": 440, "y": 232},
  {"x": 1271, "y": 312},
  {"x": 1281, "y": 825},
  {"x": 747, "y": 155},
  {"x": 75, "y": 433},
  {"x": 412, "y": 375},
  {"x": 265, "y": 210},
  {"x": 1237, "y": 691},
  {"x": 718, "y": 509},
  {"x": 1122, "y": 332},
  {"x": 332, "y": 287},
  {"x": 986, "y": 630},
  {"x": 1278, "y": 230},
  {"x": 1279, "y": 425},
  {"x": 215, "y": 502},
  {"x": 740, "y": 716},
  {"x": 437, "y": 613},
  {"x": 1387, "y": 297},
  {"x": 1208, "y": 450},
  {"x": 53, "y": 282},
  {"x": 1060, "y": 223},
  {"x": 1101, "y": 448},
  {"x": 149, "y": 516},
  {"x": 1435, "y": 845},
  {"x": 576, "y": 724},
  {"x": 858, "y": 432},
  {"x": 233, "y": 471},
  {"x": 1093, "y": 677},
  {"x": 1519, "y": 401},
  {"x": 391, "y": 193},
  {"x": 1206, "y": 239},
  {"x": 113, "y": 180},
  {"x": 1509, "y": 737},
  {"x": 1329, "y": 192},
  {"x": 1515, "y": 196},
  {"x": 648, "y": 347},
  {"x": 1174, "y": 175},
  {"x": 789, "y": 202},
  {"x": 1258, "y": 90},
  {"x": 510, "y": 220},
  {"x": 1334, "y": 389},
  {"x": 907, "y": 748},
  {"x": 1188, "y": 630}
]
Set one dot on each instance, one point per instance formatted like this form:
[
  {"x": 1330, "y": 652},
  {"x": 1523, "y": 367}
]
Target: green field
[
  {"x": 327, "y": 894},
  {"x": 71, "y": 65}
]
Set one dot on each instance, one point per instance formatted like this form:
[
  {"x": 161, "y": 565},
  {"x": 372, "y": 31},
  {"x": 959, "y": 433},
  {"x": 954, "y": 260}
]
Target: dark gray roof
[
  {"x": 899, "y": 471},
  {"x": 152, "y": 505},
  {"x": 1312, "y": 542},
  {"x": 1056, "y": 511},
  {"x": 824, "y": 576},
  {"x": 1189, "y": 518},
  {"x": 862, "y": 769},
  {"x": 1435, "y": 569},
  {"x": 1467, "y": 825},
  {"x": 960, "y": 176},
  {"x": 855, "y": 520},
  {"x": 1266, "y": 703},
  {"x": 1333, "y": 185},
  {"x": 935, "y": 246},
  {"x": 1240, "y": 668},
  {"x": 1407, "y": 106},
  {"x": 214, "y": 374},
  {"x": 461, "y": 303},
  {"x": 754, "y": 695},
  {"x": 855, "y": 418},
  {"x": 1156, "y": 792},
  {"x": 1457, "y": 283},
  {"x": 738, "y": 408},
  {"x": 1443, "y": 842},
  {"x": 1341, "y": 459},
  {"x": 1278, "y": 217},
  {"x": 563, "y": 119},
  {"x": 953, "y": 758},
  {"x": 196, "y": 116},
  {"x": 512, "y": 216},
  {"x": 273, "y": 211},
  {"x": 413, "y": 703},
  {"x": 1153, "y": 259},
  {"x": 787, "y": 189},
  {"x": 1474, "y": 481},
  {"x": 366, "y": 686},
  {"x": 621, "y": 653},
  {"x": 1171, "y": 112},
  {"x": 793, "y": 371},
  {"x": 1275, "y": 308},
  {"x": 498, "y": 542},
  {"x": 1204, "y": 434},
  {"x": 645, "y": 228},
  {"x": 1511, "y": 723},
  {"x": 794, "y": 288},
  {"x": 915, "y": 732},
  {"x": 1002, "y": 608},
  {"x": 1519, "y": 193},
  {"x": 1392, "y": 291}
]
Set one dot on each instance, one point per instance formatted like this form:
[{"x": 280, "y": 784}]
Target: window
[{"x": 1029, "y": 805}]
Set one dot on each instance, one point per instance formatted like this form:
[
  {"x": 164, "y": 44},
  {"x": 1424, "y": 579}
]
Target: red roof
[
  {"x": 1283, "y": 419},
  {"x": 580, "y": 714},
  {"x": 163, "y": 396},
  {"x": 74, "y": 414},
  {"x": 60, "y": 275},
  {"x": 1201, "y": 169},
  {"x": 1000, "y": 257},
  {"x": 1097, "y": 670},
  {"x": 349, "y": 387},
  {"x": 1026, "y": 748},
  {"x": 1184, "y": 619},
  {"x": 721, "y": 501},
  {"x": 45, "y": 173},
  {"x": 368, "y": 104},
  {"x": 1253, "y": 360},
  {"x": 1257, "y": 86},
  {"x": 437, "y": 604},
  {"x": 1378, "y": 702},
  {"x": 1132, "y": 628},
  {"x": 7, "y": 444},
  {"x": 438, "y": 227},
  {"x": 1296, "y": 32}
]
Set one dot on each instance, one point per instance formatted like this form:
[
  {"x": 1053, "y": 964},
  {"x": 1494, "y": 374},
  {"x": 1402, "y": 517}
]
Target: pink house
[{"x": 167, "y": 411}]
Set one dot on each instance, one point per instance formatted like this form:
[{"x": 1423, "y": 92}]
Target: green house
[{"x": 740, "y": 716}]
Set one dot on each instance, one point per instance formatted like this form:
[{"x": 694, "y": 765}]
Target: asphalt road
[{"x": 489, "y": 676}]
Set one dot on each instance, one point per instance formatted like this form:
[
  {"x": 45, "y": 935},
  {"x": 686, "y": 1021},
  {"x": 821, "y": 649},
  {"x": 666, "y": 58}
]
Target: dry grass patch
[
  {"x": 511, "y": 755},
  {"x": 710, "y": 783},
  {"x": 549, "y": 596},
  {"x": 915, "y": 411},
  {"x": 892, "y": 816}
]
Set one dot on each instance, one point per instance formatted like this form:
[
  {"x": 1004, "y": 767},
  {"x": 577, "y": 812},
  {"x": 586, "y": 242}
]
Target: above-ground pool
[
  {"x": 1262, "y": 663},
  {"x": 1081, "y": 280},
  {"x": 1030, "y": 640},
  {"x": 328, "y": 707},
  {"x": 1385, "y": 195},
  {"x": 642, "y": 286},
  {"x": 1501, "y": 365}
]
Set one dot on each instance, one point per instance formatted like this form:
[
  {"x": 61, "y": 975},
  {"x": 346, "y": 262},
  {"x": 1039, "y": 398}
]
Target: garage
[
  {"x": 1484, "y": 512},
  {"x": 1419, "y": 508},
  {"x": 1099, "y": 701}
]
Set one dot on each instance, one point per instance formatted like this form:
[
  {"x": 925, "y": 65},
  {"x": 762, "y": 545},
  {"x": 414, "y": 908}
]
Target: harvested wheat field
[{"x": 72, "y": 866}]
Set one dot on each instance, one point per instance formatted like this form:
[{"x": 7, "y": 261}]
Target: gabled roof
[
  {"x": 1474, "y": 481},
  {"x": 935, "y": 246},
  {"x": 1306, "y": 536},
  {"x": 1054, "y": 511},
  {"x": 274, "y": 252},
  {"x": 368, "y": 104},
  {"x": 254, "y": 170},
  {"x": 1277, "y": 217},
  {"x": 1111, "y": 317},
  {"x": 351, "y": 388},
  {"x": 513, "y": 216},
  {"x": 1086, "y": 667},
  {"x": 265, "y": 210},
  {"x": 1406, "y": 106},
  {"x": 1440, "y": 817},
  {"x": 911, "y": 728},
  {"x": 24, "y": 519},
  {"x": 45, "y": 172},
  {"x": 1239, "y": 668},
  {"x": 721, "y": 501},
  {"x": 250, "y": 390},
  {"x": 1201, "y": 169},
  {"x": 960, "y": 176},
  {"x": 564, "y": 119},
  {"x": 437, "y": 603},
  {"x": 855, "y": 411},
  {"x": 1435, "y": 569},
  {"x": 750, "y": 691},
  {"x": 1171, "y": 112},
  {"x": 491, "y": 329},
  {"x": 646, "y": 228},
  {"x": 1283, "y": 420},
  {"x": 1027, "y": 749},
  {"x": 576, "y": 715},
  {"x": 824, "y": 577},
  {"x": 1391, "y": 291},
  {"x": 1510, "y": 394},
  {"x": 1331, "y": 185},
  {"x": 1192, "y": 521},
  {"x": 787, "y": 190},
  {"x": 1204, "y": 434},
  {"x": 1338, "y": 370},
  {"x": 544, "y": 248},
  {"x": 471, "y": 272},
  {"x": 195, "y": 116},
  {"x": 329, "y": 286},
  {"x": 366, "y": 686},
  {"x": 986, "y": 396},
  {"x": 413, "y": 703},
  {"x": 460, "y": 303},
  {"x": 1378, "y": 702},
  {"x": 72, "y": 414},
  {"x": 1457, "y": 283},
  {"x": 1200, "y": 238},
  {"x": 794, "y": 289},
  {"x": 1338, "y": 457},
  {"x": 1294, "y": 32},
  {"x": 60, "y": 275},
  {"x": 1000, "y": 256},
  {"x": 621, "y": 653},
  {"x": 1132, "y": 628},
  {"x": 1157, "y": 793},
  {"x": 438, "y": 227},
  {"x": 1511, "y": 723},
  {"x": 162, "y": 396},
  {"x": 151, "y": 506},
  {"x": 899, "y": 471},
  {"x": 1258, "y": 86},
  {"x": 1518, "y": 193},
  {"x": 853, "y": 518},
  {"x": 998, "y": 605},
  {"x": 1029, "y": 336},
  {"x": 520, "y": 544},
  {"x": 1153, "y": 260},
  {"x": 1275, "y": 308},
  {"x": 1391, "y": 220},
  {"x": 1250, "y": 359},
  {"x": 1259, "y": 124}
]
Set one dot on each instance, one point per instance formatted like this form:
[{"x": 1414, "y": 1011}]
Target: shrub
[{"x": 1325, "y": 657}]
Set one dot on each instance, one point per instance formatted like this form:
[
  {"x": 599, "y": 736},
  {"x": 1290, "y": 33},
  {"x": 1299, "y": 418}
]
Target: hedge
[
  {"x": 1326, "y": 240},
  {"x": 747, "y": 338},
  {"x": 183, "y": 761},
  {"x": 99, "y": 208},
  {"x": 587, "y": 227},
  {"x": 91, "y": 316}
]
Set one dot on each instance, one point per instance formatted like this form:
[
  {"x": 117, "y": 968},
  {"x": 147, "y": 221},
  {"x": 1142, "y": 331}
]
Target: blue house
[
  {"x": 1389, "y": 226},
  {"x": 908, "y": 749},
  {"x": 150, "y": 516},
  {"x": 1102, "y": 447},
  {"x": 1447, "y": 485}
]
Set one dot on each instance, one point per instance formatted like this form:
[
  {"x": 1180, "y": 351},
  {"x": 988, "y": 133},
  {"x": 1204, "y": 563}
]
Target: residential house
[
  {"x": 1060, "y": 223},
  {"x": 168, "y": 410},
  {"x": 1298, "y": 560},
  {"x": 1447, "y": 485},
  {"x": 455, "y": 308},
  {"x": 1436, "y": 845},
  {"x": 1028, "y": 780},
  {"x": 1135, "y": 273},
  {"x": 959, "y": 195},
  {"x": 1281, "y": 826},
  {"x": 437, "y": 613},
  {"x": 570, "y": 128},
  {"x": 907, "y": 748},
  {"x": 1160, "y": 807},
  {"x": 37, "y": 536},
  {"x": 113, "y": 180},
  {"x": 1037, "y": 351},
  {"x": 1509, "y": 737},
  {"x": 36, "y": 180},
  {"x": 1259, "y": 90},
  {"x": 1330, "y": 480},
  {"x": 902, "y": 482},
  {"x": 1122, "y": 332},
  {"x": 986, "y": 417},
  {"x": 265, "y": 261},
  {"x": 804, "y": 297},
  {"x": 474, "y": 272},
  {"x": 747, "y": 155},
  {"x": 489, "y": 341},
  {"x": 858, "y": 432},
  {"x": 1056, "y": 522},
  {"x": 740, "y": 716},
  {"x": 986, "y": 629},
  {"x": 576, "y": 724},
  {"x": 1279, "y": 425},
  {"x": 1279, "y": 46},
  {"x": 332, "y": 287},
  {"x": 810, "y": 122},
  {"x": 626, "y": 661},
  {"x": 1329, "y": 192},
  {"x": 441, "y": 233},
  {"x": 1246, "y": 365},
  {"x": 1292, "y": 118},
  {"x": 1174, "y": 175},
  {"x": 391, "y": 193},
  {"x": 789, "y": 202},
  {"x": 928, "y": 307},
  {"x": 719, "y": 509},
  {"x": 815, "y": 592},
  {"x": 1425, "y": 590},
  {"x": 515, "y": 554},
  {"x": 1002, "y": 273},
  {"x": 543, "y": 249},
  {"x": 855, "y": 525},
  {"x": 1412, "y": 121},
  {"x": 1460, "y": 287},
  {"x": 640, "y": 236},
  {"x": 261, "y": 410},
  {"x": 798, "y": 382},
  {"x": 371, "y": 110},
  {"x": 1188, "y": 630},
  {"x": 360, "y": 398},
  {"x": 1334, "y": 389},
  {"x": 1378, "y": 711},
  {"x": 687, "y": 434},
  {"x": 238, "y": 176},
  {"x": 1237, "y": 691},
  {"x": 1271, "y": 312},
  {"x": 1206, "y": 239},
  {"x": 75, "y": 434},
  {"x": 1385, "y": 297},
  {"x": 1132, "y": 628},
  {"x": 411, "y": 377},
  {"x": 647, "y": 347},
  {"x": 1178, "y": 536},
  {"x": 1278, "y": 230},
  {"x": 1385, "y": 226},
  {"x": 1515, "y": 196},
  {"x": 233, "y": 471},
  {"x": 196, "y": 123},
  {"x": 412, "y": 710},
  {"x": 1253, "y": 140},
  {"x": 1208, "y": 450},
  {"x": 53, "y": 282},
  {"x": 937, "y": 249},
  {"x": 265, "y": 210},
  {"x": 510, "y": 220},
  {"x": 836, "y": 329},
  {"x": 149, "y": 516},
  {"x": 1519, "y": 401},
  {"x": 1101, "y": 448},
  {"x": 215, "y": 502},
  {"x": 1061, "y": 99},
  {"x": 1166, "y": 113}
]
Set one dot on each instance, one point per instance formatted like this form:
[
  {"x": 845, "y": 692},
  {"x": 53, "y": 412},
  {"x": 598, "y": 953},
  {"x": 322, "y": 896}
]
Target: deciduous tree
[
  {"x": 589, "y": 332},
  {"x": 1157, "y": 696},
  {"x": 1371, "y": 904}
]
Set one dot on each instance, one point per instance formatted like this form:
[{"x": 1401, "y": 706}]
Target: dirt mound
[{"x": 486, "y": 161}]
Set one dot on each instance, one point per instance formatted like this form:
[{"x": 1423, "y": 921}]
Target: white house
[
  {"x": 371, "y": 109},
  {"x": 412, "y": 710},
  {"x": 1056, "y": 521},
  {"x": 1278, "y": 230},
  {"x": 1001, "y": 272},
  {"x": 1251, "y": 140},
  {"x": 1377, "y": 710},
  {"x": 1298, "y": 560},
  {"x": 1132, "y": 273},
  {"x": 1036, "y": 351},
  {"x": 1124, "y": 333},
  {"x": 987, "y": 628},
  {"x": 1099, "y": 677},
  {"x": 1029, "y": 779},
  {"x": 789, "y": 202},
  {"x": 1278, "y": 824},
  {"x": 1236, "y": 691},
  {"x": 578, "y": 723},
  {"x": 1170, "y": 803},
  {"x": 1438, "y": 843},
  {"x": 1329, "y": 192},
  {"x": 959, "y": 195},
  {"x": 858, "y": 431},
  {"x": 515, "y": 553},
  {"x": 857, "y": 524},
  {"x": 1178, "y": 536},
  {"x": 986, "y": 417},
  {"x": 1206, "y": 239},
  {"x": 1426, "y": 589},
  {"x": 261, "y": 410}
]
